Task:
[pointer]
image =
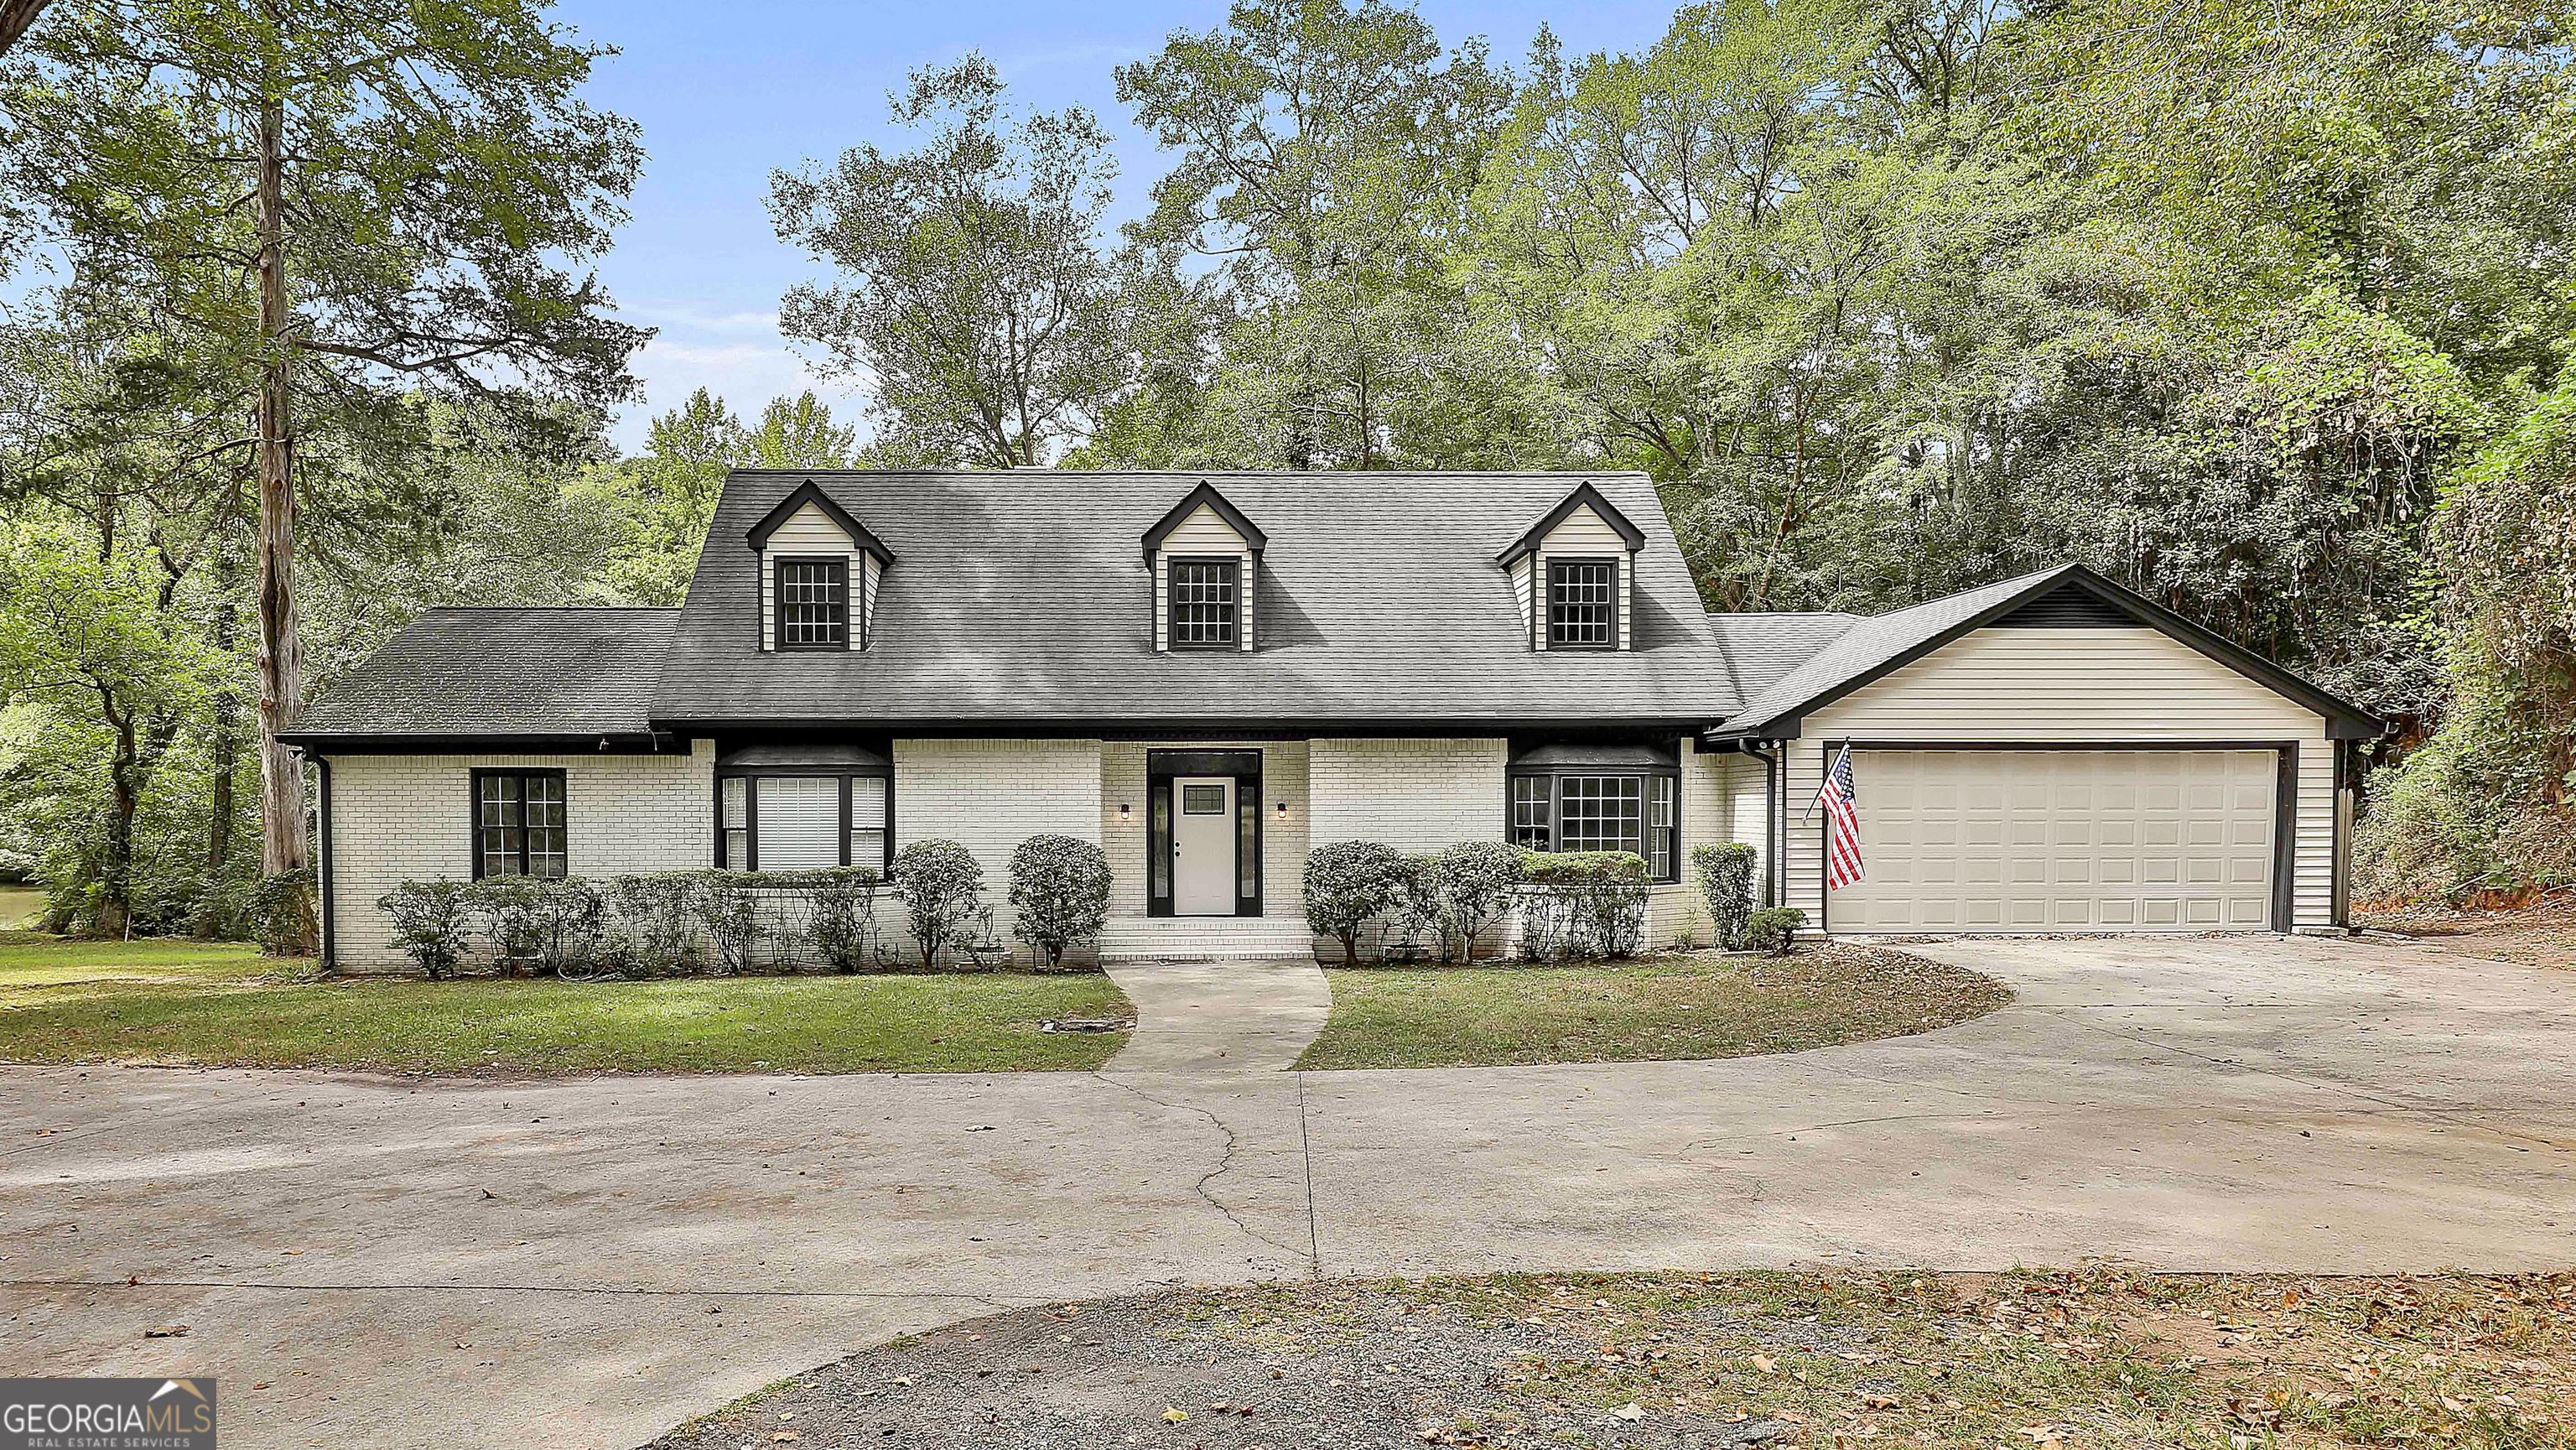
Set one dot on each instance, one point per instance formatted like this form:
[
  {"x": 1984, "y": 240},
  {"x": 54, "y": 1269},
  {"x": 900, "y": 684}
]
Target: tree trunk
[
  {"x": 223, "y": 812},
  {"x": 15, "y": 17},
  {"x": 281, "y": 772},
  {"x": 116, "y": 863}
]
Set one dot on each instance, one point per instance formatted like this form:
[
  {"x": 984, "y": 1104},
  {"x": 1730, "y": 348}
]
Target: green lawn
[
  {"x": 223, "y": 1005},
  {"x": 1699, "y": 1007},
  {"x": 17, "y": 903}
]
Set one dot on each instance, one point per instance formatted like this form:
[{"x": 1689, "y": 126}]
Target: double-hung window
[
  {"x": 519, "y": 823},
  {"x": 1205, "y": 600},
  {"x": 813, "y": 603},
  {"x": 1582, "y": 604}
]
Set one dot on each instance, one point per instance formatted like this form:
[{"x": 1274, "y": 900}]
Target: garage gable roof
[{"x": 1881, "y": 644}]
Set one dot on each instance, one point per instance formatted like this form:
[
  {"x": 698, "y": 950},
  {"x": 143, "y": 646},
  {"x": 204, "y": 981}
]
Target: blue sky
[{"x": 725, "y": 92}]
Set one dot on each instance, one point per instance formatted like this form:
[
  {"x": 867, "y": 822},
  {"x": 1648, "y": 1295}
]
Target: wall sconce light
[
  {"x": 1122, "y": 813},
  {"x": 1283, "y": 810}
]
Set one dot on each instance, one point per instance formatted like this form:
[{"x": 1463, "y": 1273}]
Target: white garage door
[{"x": 2062, "y": 840}]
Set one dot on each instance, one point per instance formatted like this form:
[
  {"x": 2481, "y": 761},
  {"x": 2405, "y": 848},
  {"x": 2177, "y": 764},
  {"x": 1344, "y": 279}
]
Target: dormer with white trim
[
  {"x": 1574, "y": 574},
  {"x": 1205, "y": 557},
  {"x": 819, "y": 568}
]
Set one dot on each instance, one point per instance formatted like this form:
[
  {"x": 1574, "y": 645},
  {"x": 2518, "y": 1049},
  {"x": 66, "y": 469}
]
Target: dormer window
[
  {"x": 813, "y": 603},
  {"x": 1573, "y": 574},
  {"x": 1205, "y": 557},
  {"x": 1582, "y": 604},
  {"x": 820, "y": 569},
  {"x": 1204, "y": 603}
]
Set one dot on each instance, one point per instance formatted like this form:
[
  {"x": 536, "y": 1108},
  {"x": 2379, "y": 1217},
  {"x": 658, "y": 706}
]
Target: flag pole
[{"x": 1820, "y": 786}]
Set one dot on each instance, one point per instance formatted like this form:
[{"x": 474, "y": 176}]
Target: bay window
[
  {"x": 803, "y": 807},
  {"x": 1588, "y": 797}
]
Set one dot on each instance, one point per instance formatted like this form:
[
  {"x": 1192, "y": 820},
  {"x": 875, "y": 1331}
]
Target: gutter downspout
[
  {"x": 330, "y": 923},
  {"x": 1771, "y": 828}
]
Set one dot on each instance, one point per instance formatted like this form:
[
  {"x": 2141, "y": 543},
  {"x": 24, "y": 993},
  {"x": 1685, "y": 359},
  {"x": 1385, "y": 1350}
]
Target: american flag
[{"x": 1842, "y": 839}]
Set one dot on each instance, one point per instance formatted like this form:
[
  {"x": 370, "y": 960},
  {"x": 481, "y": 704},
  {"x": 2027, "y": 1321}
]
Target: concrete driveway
[{"x": 408, "y": 1263}]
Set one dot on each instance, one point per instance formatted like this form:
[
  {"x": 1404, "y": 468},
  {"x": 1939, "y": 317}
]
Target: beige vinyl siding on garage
[
  {"x": 1204, "y": 534},
  {"x": 1582, "y": 534},
  {"x": 809, "y": 533},
  {"x": 2077, "y": 686}
]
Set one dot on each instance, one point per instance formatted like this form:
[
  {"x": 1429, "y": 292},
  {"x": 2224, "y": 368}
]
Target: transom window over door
[
  {"x": 813, "y": 603},
  {"x": 519, "y": 823},
  {"x": 1204, "y": 601},
  {"x": 1582, "y": 603}
]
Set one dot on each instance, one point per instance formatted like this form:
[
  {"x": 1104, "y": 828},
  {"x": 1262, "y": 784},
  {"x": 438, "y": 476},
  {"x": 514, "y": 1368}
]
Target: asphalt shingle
[
  {"x": 457, "y": 673},
  {"x": 1023, "y": 598}
]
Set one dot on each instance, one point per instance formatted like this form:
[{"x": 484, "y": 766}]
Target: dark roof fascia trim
[
  {"x": 1134, "y": 728},
  {"x": 1206, "y": 494},
  {"x": 619, "y": 743},
  {"x": 2344, "y": 720},
  {"x": 811, "y": 492},
  {"x": 1584, "y": 493}
]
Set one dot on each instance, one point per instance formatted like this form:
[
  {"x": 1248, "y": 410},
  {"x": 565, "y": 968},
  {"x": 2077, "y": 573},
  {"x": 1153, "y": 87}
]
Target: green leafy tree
[
  {"x": 976, "y": 301},
  {"x": 345, "y": 204}
]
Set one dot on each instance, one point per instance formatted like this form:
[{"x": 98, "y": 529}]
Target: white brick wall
[
  {"x": 1284, "y": 843},
  {"x": 397, "y": 818},
  {"x": 989, "y": 796},
  {"x": 1707, "y": 815},
  {"x": 1415, "y": 795}
]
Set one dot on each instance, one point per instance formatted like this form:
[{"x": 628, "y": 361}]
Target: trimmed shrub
[
  {"x": 942, "y": 888},
  {"x": 282, "y": 917},
  {"x": 1347, "y": 884},
  {"x": 656, "y": 922},
  {"x": 1588, "y": 904},
  {"x": 1418, "y": 909},
  {"x": 1477, "y": 881},
  {"x": 1725, "y": 870},
  {"x": 1059, "y": 895},
  {"x": 511, "y": 911},
  {"x": 728, "y": 910},
  {"x": 431, "y": 920},
  {"x": 841, "y": 917},
  {"x": 1774, "y": 929}
]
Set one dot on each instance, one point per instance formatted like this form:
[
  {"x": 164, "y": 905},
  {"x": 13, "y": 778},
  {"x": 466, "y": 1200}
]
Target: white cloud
[{"x": 692, "y": 319}]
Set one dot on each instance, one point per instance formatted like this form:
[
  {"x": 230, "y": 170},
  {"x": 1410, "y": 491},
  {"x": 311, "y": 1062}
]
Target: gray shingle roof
[
  {"x": 1021, "y": 598},
  {"x": 531, "y": 673},
  {"x": 1865, "y": 644}
]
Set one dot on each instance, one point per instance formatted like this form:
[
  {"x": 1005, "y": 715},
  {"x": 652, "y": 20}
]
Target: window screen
[
  {"x": 1582, "y": 603},
  {"x": 519, "y": 823},
  {"x": 1203, "y": 601},
  {"x": 813, "y": 603}
]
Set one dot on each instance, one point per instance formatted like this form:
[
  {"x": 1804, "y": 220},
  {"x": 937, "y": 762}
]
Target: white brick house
[{"x": 1210, "y": 675}]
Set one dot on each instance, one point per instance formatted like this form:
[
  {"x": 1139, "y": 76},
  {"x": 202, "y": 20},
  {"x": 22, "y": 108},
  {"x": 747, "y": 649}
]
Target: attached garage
[
  {"x": 1964, "y": 839},
  {"x": 2054, "y": 754}
]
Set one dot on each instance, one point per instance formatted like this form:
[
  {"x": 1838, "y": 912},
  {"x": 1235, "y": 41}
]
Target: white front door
[{"x": 1203, "y": 845}]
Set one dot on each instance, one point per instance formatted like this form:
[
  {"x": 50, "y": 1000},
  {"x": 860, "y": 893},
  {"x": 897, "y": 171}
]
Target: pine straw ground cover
[
  {"x": 2023, "y": 1361},
  {"x": 1681, "y": 1006}
]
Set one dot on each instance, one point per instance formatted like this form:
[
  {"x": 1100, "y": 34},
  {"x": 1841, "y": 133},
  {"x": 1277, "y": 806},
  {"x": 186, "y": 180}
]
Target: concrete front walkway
[{"x": 584, "y": 1263}]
